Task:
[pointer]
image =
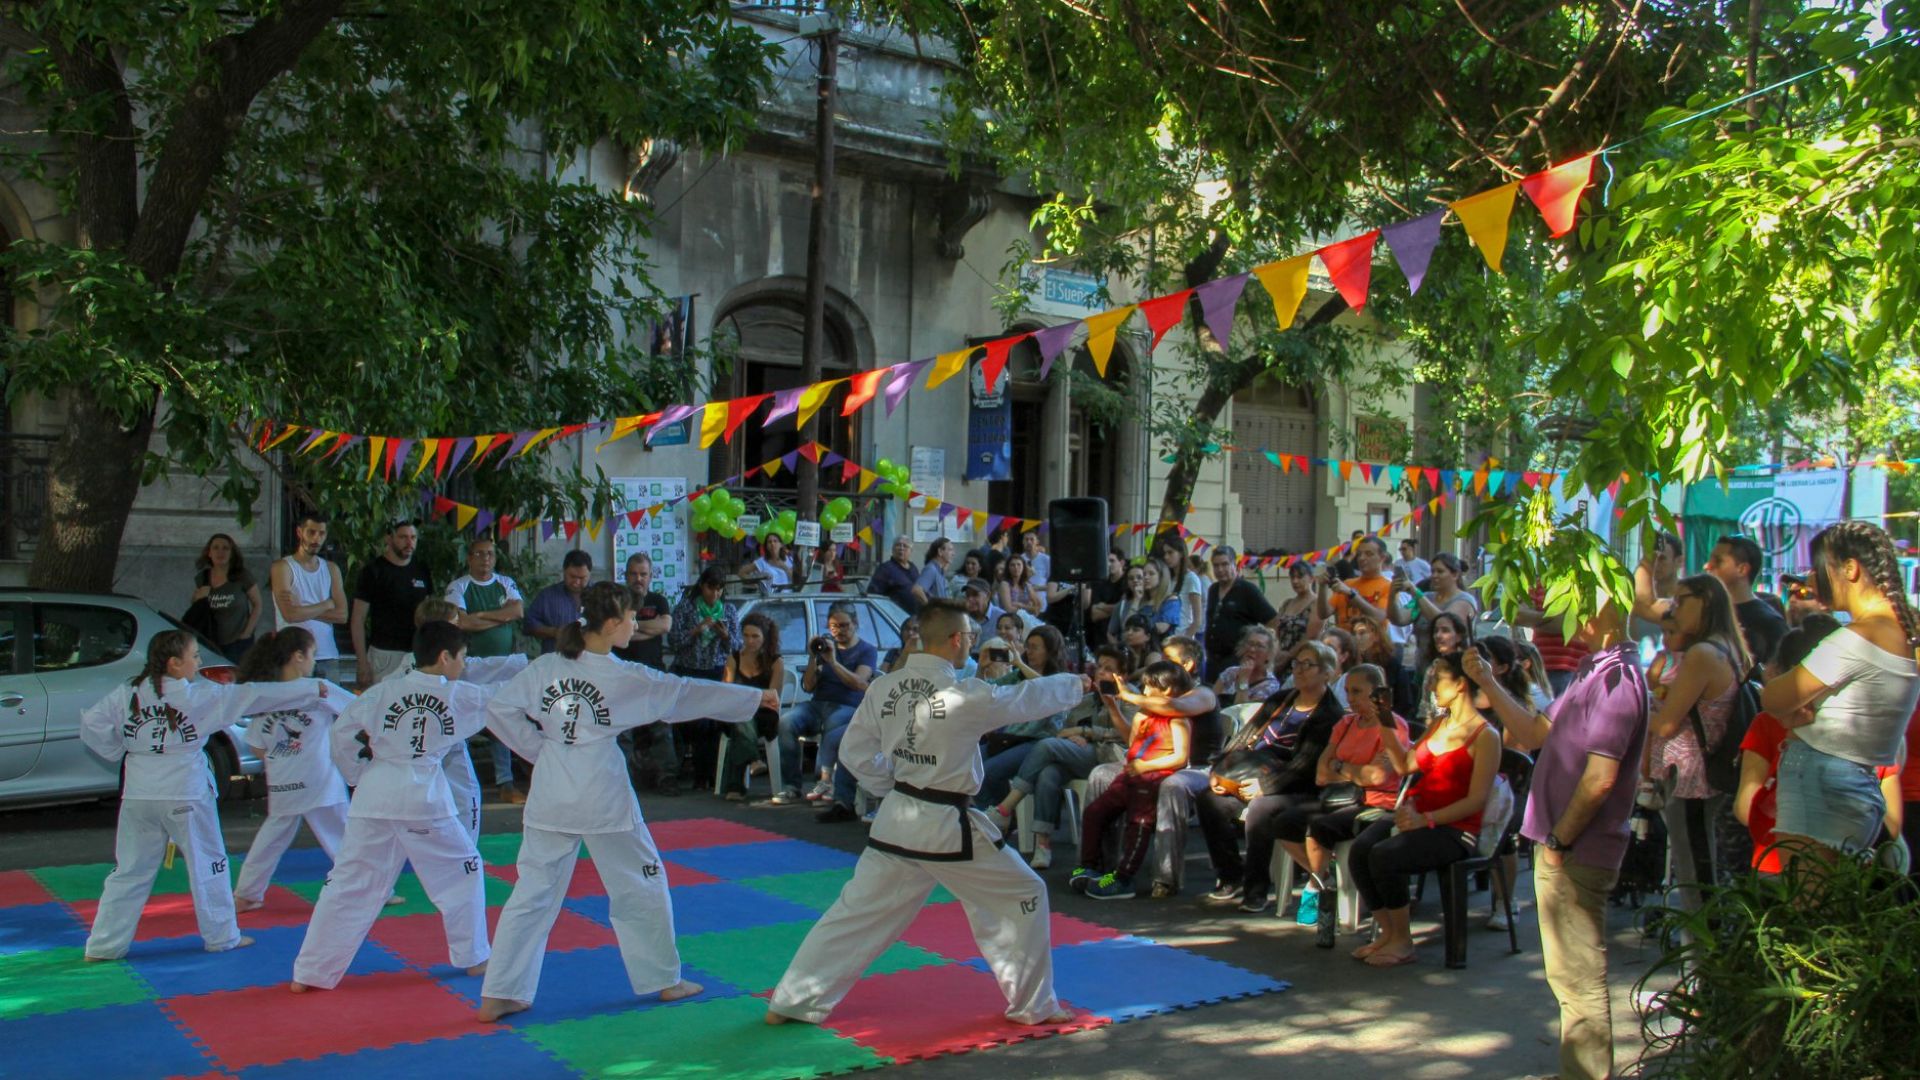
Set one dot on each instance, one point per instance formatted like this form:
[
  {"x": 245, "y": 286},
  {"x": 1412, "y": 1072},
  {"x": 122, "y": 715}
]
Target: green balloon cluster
[
  {"x": 895, "y": 475},
  {"x": 780, "y": 525},
  {"x": 718, "y": 511},
  {"x": 835, "y": 512}
]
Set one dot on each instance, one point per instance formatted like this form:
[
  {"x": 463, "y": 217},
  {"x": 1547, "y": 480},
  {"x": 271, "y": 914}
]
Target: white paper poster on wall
[
  {"x": 927, "y": 473},
  {"x": 662, "y": 536}
]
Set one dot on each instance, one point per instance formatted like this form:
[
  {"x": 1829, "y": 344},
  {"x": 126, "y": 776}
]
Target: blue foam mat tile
[
  {"x": 126, "y": 1042},
  {"x": 40, "y": 926},
  {"x": 489, "y": 1054},
  {"x": 587, "y": 982},
  {"x": 299, "y": 864},
  {"x": 736, "y": 861},
  {"x": 180, "y": 967},
  {"x": 707, "y": 909},
  {"x": 1125, "y": 978}
]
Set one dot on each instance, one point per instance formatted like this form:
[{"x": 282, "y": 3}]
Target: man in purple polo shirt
[{"x": 1577, "y": 813}]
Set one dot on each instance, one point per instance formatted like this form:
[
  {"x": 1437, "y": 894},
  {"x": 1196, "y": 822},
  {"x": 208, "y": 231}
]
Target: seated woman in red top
[
  {"x": 1760, "y": 754},
  {"x": 1438, "y": 818}
]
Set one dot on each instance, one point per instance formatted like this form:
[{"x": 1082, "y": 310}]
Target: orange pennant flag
[
  {"x": 1556, "y": 192},
  {"x": 1486, "y": 217},
  {"x": 1101, "y": 330},
  {"x": 812, "y": 398},
  {"x": 947, "y": 365},
  {"x": 865, "y": 385},
  {"x": 1286, "y": 282}
]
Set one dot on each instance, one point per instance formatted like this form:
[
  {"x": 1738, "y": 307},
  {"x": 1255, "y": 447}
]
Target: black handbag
[
  {"x": 1341, "y": 796},
  {"x": 1246, "y": 771},
  {"x": 199, "y": 619}
]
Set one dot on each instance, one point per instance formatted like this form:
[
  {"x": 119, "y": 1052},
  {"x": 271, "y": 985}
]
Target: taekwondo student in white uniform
[
  {"x": 565, "y": 713},
  {"x": 302, "y": 782},
  {"x": 390, "y": 744},
  {"x": 160, "y": 725},
  {"x": 480, "y": 671},
  {"x": 916, "y": 739}
]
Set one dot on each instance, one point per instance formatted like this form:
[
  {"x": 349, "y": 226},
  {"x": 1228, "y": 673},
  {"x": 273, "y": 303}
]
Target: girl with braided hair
[{"x": 1847, "y": 704}]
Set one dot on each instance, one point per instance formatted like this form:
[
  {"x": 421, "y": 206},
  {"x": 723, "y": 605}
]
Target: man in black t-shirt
[
  {"x": 1097, "y": 602},
  {"x": 388, "y": 590},
  {"x": 1233, "y": 605},
  {"x": 656, "y": 760},
  {"x": 1736, "y": 562}
]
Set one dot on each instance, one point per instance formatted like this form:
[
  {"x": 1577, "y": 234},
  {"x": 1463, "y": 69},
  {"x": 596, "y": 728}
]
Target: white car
[
  {"x": 801, "y": 616},
  {"x": 59, "y": 653}
]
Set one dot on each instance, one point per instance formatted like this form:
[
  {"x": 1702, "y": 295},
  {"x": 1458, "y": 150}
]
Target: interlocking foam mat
[{"x": 743, "y": 899}]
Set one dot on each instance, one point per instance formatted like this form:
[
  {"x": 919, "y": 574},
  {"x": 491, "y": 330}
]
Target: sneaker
[
  {"x": 512, "y": 796},
  {"x": 821, "y": 792},
  {"x": 1253, "y": 903},
  {"x": 1080, "y": 879},
  {"x": 1000, "y": 820},
  {"x": 1226, "y": 892},
  {"x": 1110, "y": 887},
  {"x": 1498, "y": 920},
  {"x": 1164, "y": 890},
  {"x": 1042, "y": 857},
  {"x": 871, "y": 815},
  {"x": 836, "y": 813},
  {"x": 786, "y": 798},
  {"x": 1309, "y": 913}
]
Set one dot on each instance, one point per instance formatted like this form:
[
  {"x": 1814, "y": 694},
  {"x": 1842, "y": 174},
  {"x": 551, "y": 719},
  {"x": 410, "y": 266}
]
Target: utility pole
[{"x": 824, "y": 30}]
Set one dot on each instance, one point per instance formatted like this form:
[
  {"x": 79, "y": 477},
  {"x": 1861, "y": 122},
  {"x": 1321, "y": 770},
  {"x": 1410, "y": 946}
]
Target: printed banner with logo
[{"x": 1780, "y": 512}]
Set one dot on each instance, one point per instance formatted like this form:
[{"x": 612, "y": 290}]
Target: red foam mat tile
[
  {"x": 266, "y": 1025},
  {"x": 586, "y": 878},
  {"x": 421, "y": 940},
  {"x": 943, "y": 929},
  {"x": 18, "y": 888},
  {"x": 890, "y": 1014},
  {"x": 705, "y": 832},
  {"x": 170, "y": 915}
]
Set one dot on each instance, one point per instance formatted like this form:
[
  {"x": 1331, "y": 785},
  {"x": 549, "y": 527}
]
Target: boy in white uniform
[
  {"x": 565, "y": 713},
  {"x": 480, "y": 671},
  {"x": 158, "y": 724},
  {"x": 916, "y": 738},
  {"x": 391, "y": 745}
]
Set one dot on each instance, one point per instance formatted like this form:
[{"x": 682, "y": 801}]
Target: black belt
[{"x": 960, "y": 801}]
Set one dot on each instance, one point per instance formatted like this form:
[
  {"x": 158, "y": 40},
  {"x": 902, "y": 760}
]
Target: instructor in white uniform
[{"x": 916, "y": 739}]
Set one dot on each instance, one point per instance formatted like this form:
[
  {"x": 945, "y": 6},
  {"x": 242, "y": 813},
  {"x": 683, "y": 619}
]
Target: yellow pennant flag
[
  {"x": 428, "y": 448},
  {"x": 463, "y": 515},
  {"x": 1101, "y": 329},
  {"x": 1286, "y": 282},
  {"x": 284, "y": 436},
  {"x": 867, "y": 478},
  {"x": 545, "y": 434},
  {"x": 593, "y": 527},
  {"x": 1486, "y": 216},
  {"x": 811, "y": 400},
  {"x": 376, "y": 446},
  {"x": 713, "y": 421},
  {"x": 622, "y": 427},
  {"x": 326, "y": 437},
  {"x": 947, "y": 365},
  {"x": 772, "y": 468}
]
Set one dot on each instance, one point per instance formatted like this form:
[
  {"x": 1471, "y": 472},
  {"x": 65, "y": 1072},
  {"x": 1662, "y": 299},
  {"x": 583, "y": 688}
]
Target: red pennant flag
[
  {"x": 865, "y": 385},
  {"x": 1163, "y": 314},
  {"x": 996, "y": 361},
  {"x": 849, "y": 470},
  {"x": 962, "y": 515},
  {"x": 737, "y": 412},
  {"x": 1556, "y": 192},
  {"x": 634, "y": 517},
  {"x": 1350, "y": 264},
  {"x": 570, "y": 528},
  {"x": 440, "y": 457},
  {"x": 1433, "y": 478},
  {"x": 810, "y": 451},
  {"x": 387, "y": 469},
  {"x": 442, "y": 504}
]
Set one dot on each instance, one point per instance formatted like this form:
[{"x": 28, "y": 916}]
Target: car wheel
[{"x": 228, "y": 784}]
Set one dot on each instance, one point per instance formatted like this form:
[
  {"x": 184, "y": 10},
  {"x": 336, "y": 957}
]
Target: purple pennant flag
[
  {"x": 1412, "y": 243},
  {"x": 785, "y": 403},
  {"x": 481, "y": 520},
  {"x": 790, "y": 458},
  {"x": 460, "y": 449},
  {"x": 831, "y": 460},
  {"x": 312, "y": 437},
  {"x": 673, "y": 415},
  {"x": 1051, "y": 342},
  {"x": 1218, "y": 299},
  {"x": 402, "y": 448},
  {"x": 901, "y": 382},
  {"x": 994, "y": 520},
  {"x": 520, "y": 441},
  {"x": 546, "y": 530}
]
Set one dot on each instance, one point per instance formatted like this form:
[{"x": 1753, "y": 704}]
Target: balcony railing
[{"x": 23, "y": 491}]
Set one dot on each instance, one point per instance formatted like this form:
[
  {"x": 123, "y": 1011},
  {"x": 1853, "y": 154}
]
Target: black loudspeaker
[{"x": 1077, "y": 539}]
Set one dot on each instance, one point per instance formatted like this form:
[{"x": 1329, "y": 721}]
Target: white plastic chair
[{"x": 1346, "y": 890}]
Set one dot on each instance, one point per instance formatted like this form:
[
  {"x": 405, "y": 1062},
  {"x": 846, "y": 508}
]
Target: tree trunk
[
  {"x": 1186, "y": 466},
  {"x": 93, "y": 474}
]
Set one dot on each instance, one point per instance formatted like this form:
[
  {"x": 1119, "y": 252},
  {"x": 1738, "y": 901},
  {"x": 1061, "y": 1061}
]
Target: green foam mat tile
[
  {"x": 699, "y": 1040},
  {"x": 818, "y": 889},
  {"x": 84, "y": 881},
  {"x": 411, "y": 892},
  {"x": 56, "y": 980},
  {"x": 503, "y": 849},
  {"x": 753, "y": 959}
]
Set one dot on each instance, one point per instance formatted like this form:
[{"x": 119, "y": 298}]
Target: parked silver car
[
  {"x": 800, "y": 616},
  {"x": 59, "y": 653}
]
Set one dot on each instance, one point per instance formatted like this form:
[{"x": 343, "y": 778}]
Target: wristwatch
[{"x": 1554, "y": 843}]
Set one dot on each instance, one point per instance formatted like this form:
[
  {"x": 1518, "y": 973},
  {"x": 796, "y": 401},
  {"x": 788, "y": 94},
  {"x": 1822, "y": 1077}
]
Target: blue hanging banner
[{"x": 990, "y": 428}]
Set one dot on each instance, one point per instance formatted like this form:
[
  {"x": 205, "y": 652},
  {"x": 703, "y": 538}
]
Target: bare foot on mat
[
  {"x": 681, "y": 989},
  {"x": 492, "y": 1009}
]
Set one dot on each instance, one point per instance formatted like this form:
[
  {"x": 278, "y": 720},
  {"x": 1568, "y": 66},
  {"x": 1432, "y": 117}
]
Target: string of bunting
[{"x": 1485, "y": 216}]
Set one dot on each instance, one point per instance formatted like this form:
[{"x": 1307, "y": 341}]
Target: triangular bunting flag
[
  {"x": 1393, "y": 475},
  {"x": 1163, "y": 314},
  {"x": 625, "y": 426},
  {"x": 1412, "y": 244},
  {"x": 1350, "y": 264},
  {"x": 1433, "y": 478},
  {"x": 791, "y": 459},
  {"x": 772, "y": 467},
  {"x": 570, "y": 528},
  {"x": 1486, "y": 217},
  {"x": 737, "y": 412},
  {"x": 397, "y": 451},
  {"x": 1449, "y": 479},
  {"x": 546, "y": 530},
  {"x": 481, "y": 520},
  {"x": 993, "y": 522},
  {"x": 442, "y": 505},
  {"x": 521, "y": 440},
  {"x": 1556, "y": 192},
  {"x": 901, "y": 382},
  {"x": 341, "y": 443},
  {"x": 463, "y": 515},
  {"x": 1218, "y": 299},
  {"x": 312, "y": 439},
  {"x": 482, "y": 444},
  {"x": 1101, "y": 329},
  {"x": 1286, "y": 283},
  {"x": 376, "y": 453},
  {"x": 785, "y": 403},
  {"x": 593, "y": 528},
  {"x": 830, "y": 459},
  {"x": 1496, "y": 479},
  {"x": 635, "y": 517},
  {"x": 849, "y": 470},
  {"x": 666, "y": 418},
  {"x": 713, "y": 421},
  {"x": 283, "y": 437},
  {"x": 460, "y": 448},
  {"x": 1051, "y": 342},
  {"x": 864, "y": 386},
  {"x": 996, "y": 361},
  {"x": 812, "y": 398},
  {"x": 867, "y": 479},
  {"x": 539, "y": 437},
  {"x": 1346, "y": 470},
  {"x": 811, "y": 451},
  {"x": 429, "y": 452},
  {"x": 962, "y": 515},
  {"x": 947, "y": 365}
]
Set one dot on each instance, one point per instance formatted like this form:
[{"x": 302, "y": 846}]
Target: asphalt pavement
[{"x": 1341, "y": 1019}]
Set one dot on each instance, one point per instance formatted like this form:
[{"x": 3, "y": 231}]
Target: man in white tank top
[{"x": 307, "y": 591}]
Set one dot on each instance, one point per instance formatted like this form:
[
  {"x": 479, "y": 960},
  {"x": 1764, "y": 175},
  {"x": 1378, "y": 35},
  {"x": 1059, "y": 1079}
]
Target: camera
[
  {"x": 821, "y": 646},
  {"x": 1108, "y": 684}
]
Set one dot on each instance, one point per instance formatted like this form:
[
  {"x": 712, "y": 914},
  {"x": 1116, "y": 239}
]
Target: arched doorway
[
  {"x": 761, "y": 328},
  {"x": 1276, "y": 507},
  {"x": 1064, "y": 442}
]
